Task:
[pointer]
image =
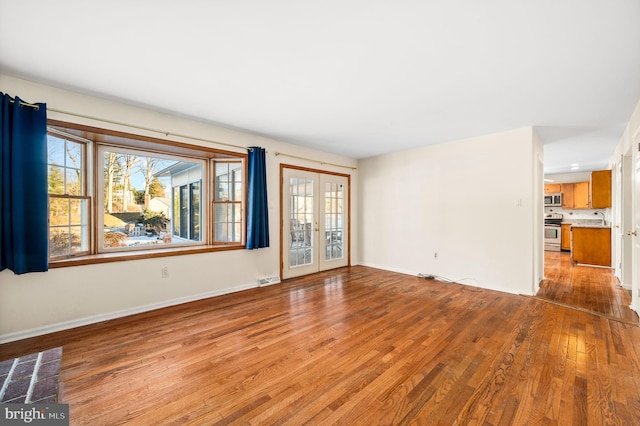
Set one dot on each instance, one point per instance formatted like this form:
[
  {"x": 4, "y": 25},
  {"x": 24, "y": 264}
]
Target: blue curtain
[
  {"x": 24, "y": 231},
  {"x": 257, "y": 208}
]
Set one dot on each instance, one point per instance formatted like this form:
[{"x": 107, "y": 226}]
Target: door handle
[{"x": 634, "y": 233}]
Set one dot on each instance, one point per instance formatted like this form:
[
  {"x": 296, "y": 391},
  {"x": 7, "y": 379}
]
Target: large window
[
  {"x": 138, "y": 189},
  {"x": 68, "y": 200},
  {"x": 146, "y": 194}
]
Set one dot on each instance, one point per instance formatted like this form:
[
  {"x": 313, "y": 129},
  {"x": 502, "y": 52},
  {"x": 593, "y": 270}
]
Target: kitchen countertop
[{"x": 586, "y": 223}]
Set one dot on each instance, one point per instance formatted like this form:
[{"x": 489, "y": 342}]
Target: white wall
[
  {"x": 624, "y": 145},
  {"x": 626, "y": 154},
  {"x": 568, "y": 177},
  {"x": 537, "y": 187},
  {"x": 459, "y": 199},
  {"x": 37, "y": 303}
]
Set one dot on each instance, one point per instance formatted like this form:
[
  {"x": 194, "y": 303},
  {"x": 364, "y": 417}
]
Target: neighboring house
[
  {"x": 186, "y": 181},
  {"x": 160, "y": 204}
]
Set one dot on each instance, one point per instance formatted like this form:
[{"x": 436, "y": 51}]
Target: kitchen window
[{"x": 111, "y": 193}]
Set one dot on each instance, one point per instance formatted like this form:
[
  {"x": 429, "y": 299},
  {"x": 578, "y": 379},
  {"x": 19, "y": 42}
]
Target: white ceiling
[{"x": 355, "y": 77}]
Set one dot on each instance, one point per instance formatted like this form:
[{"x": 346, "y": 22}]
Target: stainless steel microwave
[{"x": 553, "y": 200}]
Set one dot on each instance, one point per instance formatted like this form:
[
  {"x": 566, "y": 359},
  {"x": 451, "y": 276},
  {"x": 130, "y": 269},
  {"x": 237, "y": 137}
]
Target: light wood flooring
[
  {"x": 591, "y": 289},
  {"x": 354, "y": 346}
]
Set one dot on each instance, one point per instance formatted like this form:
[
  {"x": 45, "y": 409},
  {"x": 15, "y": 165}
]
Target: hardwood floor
[
  {"x": 592, "y": 289},
  {"x": 352, "y": 346}
]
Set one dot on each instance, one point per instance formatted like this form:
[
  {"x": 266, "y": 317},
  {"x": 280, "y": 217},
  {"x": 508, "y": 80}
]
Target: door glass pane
[
  {"x": 194, "y": 207},
  {"x": 184, "y": 211},
  {"x": 333, "y": 219},
  {"x": 176, "y": 210},
  {"x": 301, "y": 222}
]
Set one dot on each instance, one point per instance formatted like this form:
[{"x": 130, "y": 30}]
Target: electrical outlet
[{"x": 165, "y": 272}]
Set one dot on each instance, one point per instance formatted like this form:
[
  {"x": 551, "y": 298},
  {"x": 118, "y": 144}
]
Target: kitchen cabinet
[
  {"x": 581, "y": 195},
  {"x": 565, "y": 242},
  {"x": 593, "y": 194},
  {"x": 575, "y": 195},
  {"x": 601, "y": 189},
  {"x": 552, "y": 188},
  {"x": 568, "y": 201},
  {"x": 591, "y": 246}
]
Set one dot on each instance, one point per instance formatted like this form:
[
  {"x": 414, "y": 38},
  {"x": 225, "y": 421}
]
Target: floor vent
[{"x": 268, "y": 281}]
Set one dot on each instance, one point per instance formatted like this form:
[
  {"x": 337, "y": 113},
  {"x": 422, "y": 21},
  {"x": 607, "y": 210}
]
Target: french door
[{"x": 315, "y": 216}]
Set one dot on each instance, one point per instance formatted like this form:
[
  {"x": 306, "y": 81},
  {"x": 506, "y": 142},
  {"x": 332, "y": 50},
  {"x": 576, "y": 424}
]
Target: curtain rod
[
  {"x": 316, "y": 161},
  {"x": 21, "y": 103},
  {"x": 149, "y": 129},
  {"x": 183, "y": 136}
]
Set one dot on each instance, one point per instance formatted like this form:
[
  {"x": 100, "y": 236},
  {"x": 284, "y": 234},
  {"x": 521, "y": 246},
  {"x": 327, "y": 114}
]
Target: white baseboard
[
  {"x": 387, "y": 268},
  {"x": 462, "y": 281},
  {"x": 67, "y": 325},
  {"x": 269, "y": 283}
]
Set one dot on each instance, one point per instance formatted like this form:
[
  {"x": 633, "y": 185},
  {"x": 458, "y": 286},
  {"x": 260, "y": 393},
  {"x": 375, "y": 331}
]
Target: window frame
[
  {"x": 101, "y": 150},
  {"x": 84, "y": 192},
  {"x": 96, "y": 139},
  {"x": 241, "y": 204}
]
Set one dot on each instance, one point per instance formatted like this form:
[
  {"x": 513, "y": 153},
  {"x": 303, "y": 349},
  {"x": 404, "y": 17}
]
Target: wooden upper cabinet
[
  {"x": 552, "y": 188},
  {"x": 567, "y": 190},
  {"x": 594, "y": 194},
  {"x": 581, "y": 195},
  {"x": 601, "y": 189}
]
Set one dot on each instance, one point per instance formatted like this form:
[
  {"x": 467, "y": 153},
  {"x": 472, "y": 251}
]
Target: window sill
[{"x": 138, "y": 255}]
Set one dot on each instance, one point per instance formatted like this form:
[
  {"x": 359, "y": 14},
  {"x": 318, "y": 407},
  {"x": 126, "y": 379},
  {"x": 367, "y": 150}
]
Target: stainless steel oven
[{"x": 552, "y": 232}]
